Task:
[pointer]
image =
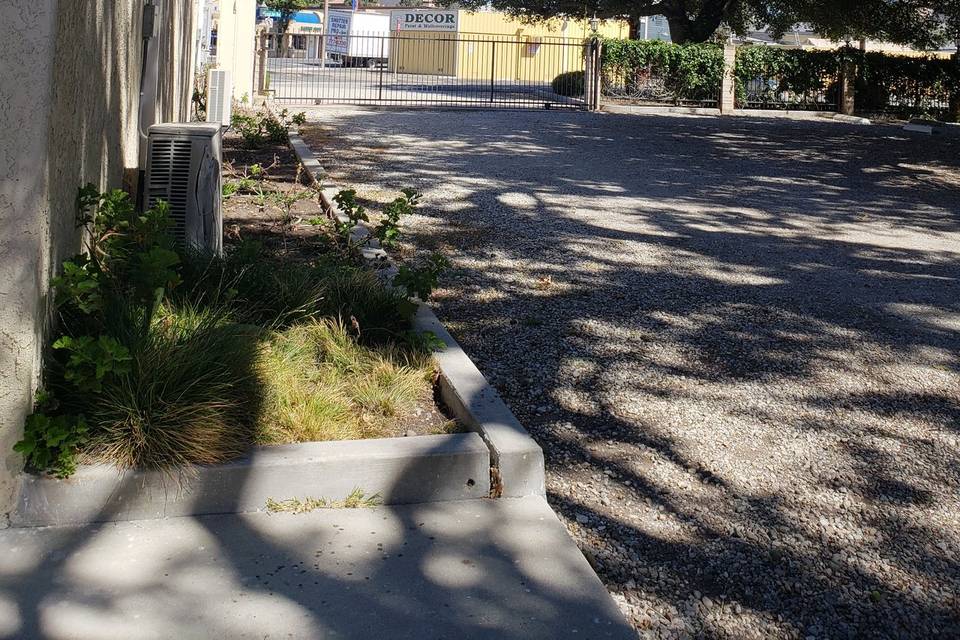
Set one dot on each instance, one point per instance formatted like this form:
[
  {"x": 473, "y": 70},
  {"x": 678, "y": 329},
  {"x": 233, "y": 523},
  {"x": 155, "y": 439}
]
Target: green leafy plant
[
  {"x": 346, "y": 200},
  {"x": 420, "y": 280},
  {"x": 50, "y": 443},
  {"x": 388, "y": 230},
  {"x": 906, "y": 86},
  {"x": 795, "y": 78},
  {"x": 79, "y": 285},
  {"x": 93, "y": 359}
]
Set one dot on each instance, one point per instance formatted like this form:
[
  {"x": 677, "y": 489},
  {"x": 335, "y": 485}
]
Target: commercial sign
[
  {"x": 416, "y": 20},
  {"x": 339, "y": 32}
]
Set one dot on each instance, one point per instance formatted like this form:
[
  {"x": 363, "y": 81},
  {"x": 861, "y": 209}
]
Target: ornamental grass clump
[
  {"x": 190, "y": 396},
  {"x": 322, "y": 384}
]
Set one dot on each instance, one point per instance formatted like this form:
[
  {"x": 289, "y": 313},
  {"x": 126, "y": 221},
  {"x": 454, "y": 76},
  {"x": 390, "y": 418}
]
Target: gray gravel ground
[{"x": 736, "y": 340}]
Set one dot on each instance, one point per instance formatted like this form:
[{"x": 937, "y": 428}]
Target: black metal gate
[{"x": 471, "y": 70}]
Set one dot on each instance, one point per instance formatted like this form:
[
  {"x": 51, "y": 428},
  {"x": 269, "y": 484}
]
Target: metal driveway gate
[{"x": 404, "y": 69}]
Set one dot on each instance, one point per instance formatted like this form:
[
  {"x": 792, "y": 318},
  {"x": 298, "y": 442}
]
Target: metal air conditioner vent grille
[{"x": 170, "y": 180}]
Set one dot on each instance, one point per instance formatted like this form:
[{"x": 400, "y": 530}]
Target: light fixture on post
[{"x": 594, "y": 23}]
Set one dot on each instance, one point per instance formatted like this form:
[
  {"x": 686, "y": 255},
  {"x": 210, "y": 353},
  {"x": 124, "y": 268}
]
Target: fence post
[
  {"x": 728, "y": 81},
  {"x": 262, "y": 64},
  {"x": 593, "y": 72},
  {"x": 848, "y": 77},
  {"x": 493, "y": 69},
  {"x": 587, "y": 73},
  {"x": 955, "y": 94}
]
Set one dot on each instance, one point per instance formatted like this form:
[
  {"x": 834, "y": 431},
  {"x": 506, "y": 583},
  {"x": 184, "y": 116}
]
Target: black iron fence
[
  {"x": 475, "y": 70},
  {"x": 907, "y": 86},
  {"x": 773, "y": 93}
]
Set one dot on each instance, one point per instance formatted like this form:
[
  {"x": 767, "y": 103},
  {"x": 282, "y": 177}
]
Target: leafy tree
[
  {"x": 287, "y": 9},
  {"x": 919, "y": 22}
]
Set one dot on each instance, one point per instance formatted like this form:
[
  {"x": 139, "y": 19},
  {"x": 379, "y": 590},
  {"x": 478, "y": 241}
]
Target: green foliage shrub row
[
  {"x": 906, "y": 86},
  {"x": 690, "y": 72},
  {"x": 803, "y": 75},
  {"x": 897, "y": 84}
]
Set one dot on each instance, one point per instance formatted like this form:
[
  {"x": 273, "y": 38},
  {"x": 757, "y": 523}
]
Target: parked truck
[{"x": 359, "y": 39}]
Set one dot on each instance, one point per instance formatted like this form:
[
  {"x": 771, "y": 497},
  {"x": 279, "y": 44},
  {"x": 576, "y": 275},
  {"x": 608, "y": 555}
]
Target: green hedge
[
  {"x": 772, "y": 76},
  {"x": 906, "y": 86},
  {"x": 661, "y": 71}
]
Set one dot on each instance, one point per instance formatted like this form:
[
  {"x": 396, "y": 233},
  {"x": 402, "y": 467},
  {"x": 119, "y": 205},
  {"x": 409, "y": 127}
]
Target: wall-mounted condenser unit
[
  {"x": 183, "y": 169},
  {"x": 219, "y": 93}
]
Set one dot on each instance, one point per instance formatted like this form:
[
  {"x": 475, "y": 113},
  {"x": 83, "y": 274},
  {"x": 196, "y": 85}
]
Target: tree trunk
[{"x": 698, "y": 28}]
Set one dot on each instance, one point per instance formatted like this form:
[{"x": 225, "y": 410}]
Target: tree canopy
[
  {"x": 287, "y": 9},
  {"x": 924, "y": 23}
]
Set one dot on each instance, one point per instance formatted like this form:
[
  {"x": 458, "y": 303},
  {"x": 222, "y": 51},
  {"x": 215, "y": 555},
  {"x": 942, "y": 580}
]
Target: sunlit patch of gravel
[{"x": 736, "y": 340}]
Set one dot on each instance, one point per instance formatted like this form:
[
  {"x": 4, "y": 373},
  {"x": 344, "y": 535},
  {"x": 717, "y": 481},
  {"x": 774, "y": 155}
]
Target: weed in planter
[
  {"x": 346, "y": 200},
  {"x": 420, "y": 280},
  {"x": 92, "y": 360},
  {"x": 356, "y": 500},
  {"x": 388, "y": 230}
]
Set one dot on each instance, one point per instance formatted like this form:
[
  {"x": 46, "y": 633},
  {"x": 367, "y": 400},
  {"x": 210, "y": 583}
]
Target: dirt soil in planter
[{"x": 288, "y": 235}]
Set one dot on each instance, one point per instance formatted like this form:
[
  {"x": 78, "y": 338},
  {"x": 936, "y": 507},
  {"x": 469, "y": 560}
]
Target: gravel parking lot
[{"x": 736, "y": 340}]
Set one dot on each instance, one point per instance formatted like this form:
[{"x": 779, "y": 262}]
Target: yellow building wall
[{"x": 495, "y": 46}]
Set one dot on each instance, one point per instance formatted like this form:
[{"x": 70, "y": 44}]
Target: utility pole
[{"x": 325, "y": 33}]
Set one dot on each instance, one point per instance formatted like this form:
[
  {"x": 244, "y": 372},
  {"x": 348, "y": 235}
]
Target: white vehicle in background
[{"x": 359, "y": 39}]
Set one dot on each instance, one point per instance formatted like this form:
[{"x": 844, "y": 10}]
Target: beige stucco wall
[
  {"x": 69, "y": 117},
  {"x": 236, "y": 33}
]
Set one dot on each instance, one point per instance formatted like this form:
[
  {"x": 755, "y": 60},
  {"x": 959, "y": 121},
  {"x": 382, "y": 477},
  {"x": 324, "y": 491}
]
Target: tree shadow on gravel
[{"x": 746, "y": 380}]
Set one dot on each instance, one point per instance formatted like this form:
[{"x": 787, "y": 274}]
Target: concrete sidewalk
[{"x": 467, "y": 569}]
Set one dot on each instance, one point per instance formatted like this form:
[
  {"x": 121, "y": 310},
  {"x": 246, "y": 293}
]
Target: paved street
[{"x": 736, "y": 339}]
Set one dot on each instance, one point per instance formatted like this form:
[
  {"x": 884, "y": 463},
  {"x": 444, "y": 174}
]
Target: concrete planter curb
[
  {"x": 402, "y": 470},
  {"x": 785, "y": 114},
  {"x": 517, "y": 460}
]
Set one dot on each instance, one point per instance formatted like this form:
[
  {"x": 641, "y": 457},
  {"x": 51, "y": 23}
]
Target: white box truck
[{"x": 359, "y": 39}]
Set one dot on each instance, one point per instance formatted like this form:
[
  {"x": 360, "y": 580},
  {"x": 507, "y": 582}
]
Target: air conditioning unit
[
  {"x": 219, "y": 93},
  {"x": 183, "y": 169}
]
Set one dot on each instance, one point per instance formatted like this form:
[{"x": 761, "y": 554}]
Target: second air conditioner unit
[
  {"x": 183, "y": 169},
  {"x": 219, "y": 93}
]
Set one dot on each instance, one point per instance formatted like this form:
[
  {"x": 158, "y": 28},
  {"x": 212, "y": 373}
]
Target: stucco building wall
[
  {"x": 69, "y": 112},
  {"x": 236, "y": 39}
]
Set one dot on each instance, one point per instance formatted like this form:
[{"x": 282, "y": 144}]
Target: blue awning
[{"x": 306, "y": 17}]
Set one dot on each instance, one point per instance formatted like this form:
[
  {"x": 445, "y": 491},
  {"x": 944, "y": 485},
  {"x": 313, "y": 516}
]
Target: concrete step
[{"x": 467, "y": 569}]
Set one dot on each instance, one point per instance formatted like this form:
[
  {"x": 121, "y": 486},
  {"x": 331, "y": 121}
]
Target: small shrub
[
  {"x": 262, "y": 128},
  {"x": 50, "y": 443},
  {"x": 569, "y": 84},
  {"x": 388, "y": 230},
  {"x": 420, "y": 280}
]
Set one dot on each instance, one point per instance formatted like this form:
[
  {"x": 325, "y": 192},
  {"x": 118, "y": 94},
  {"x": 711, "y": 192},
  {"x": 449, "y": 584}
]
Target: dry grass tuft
[
  {"x": 321, "y": 384},
  {"x": 356, "y": 500}
]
